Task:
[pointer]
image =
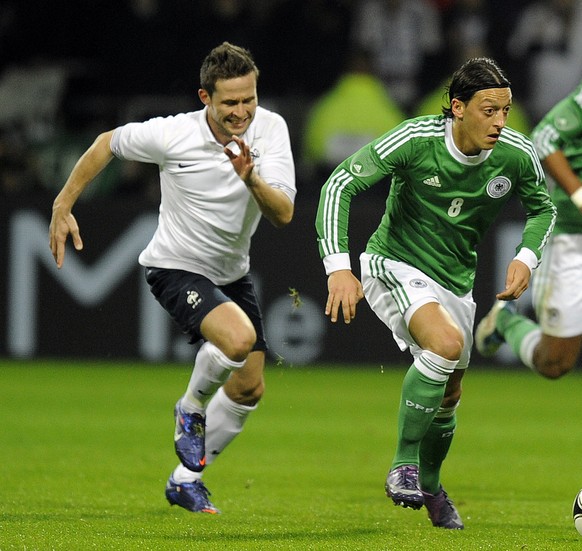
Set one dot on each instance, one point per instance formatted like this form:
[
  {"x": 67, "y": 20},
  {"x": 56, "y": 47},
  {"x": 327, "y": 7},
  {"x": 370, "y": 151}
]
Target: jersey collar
[{"x": 456, "y": 153}]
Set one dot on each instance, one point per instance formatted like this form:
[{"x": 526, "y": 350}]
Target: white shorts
[
  {"x": 395, "y": 291},
  {"x": 557, "y": 287}
]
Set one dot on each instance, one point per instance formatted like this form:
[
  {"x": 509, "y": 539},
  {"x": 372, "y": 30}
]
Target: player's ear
[
  {"x": 457, "y": 108},
  {"x": 204, "y": 96}
]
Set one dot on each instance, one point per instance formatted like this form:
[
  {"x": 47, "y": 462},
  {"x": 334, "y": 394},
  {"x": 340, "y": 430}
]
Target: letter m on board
[{"x": 87, "y": 285}]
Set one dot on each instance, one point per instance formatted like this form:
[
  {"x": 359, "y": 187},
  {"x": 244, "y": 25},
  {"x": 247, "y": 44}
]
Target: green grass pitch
[{"x": 86, "y": 448}]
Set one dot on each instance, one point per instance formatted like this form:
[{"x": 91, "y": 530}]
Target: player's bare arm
[
  {"x": 558, "y": 167},
  {"x": 516, "y": 281},
  {"x": 63, "y": 223},
  {"x": 274, "y": 204},
  {"x": 346, "y": 290}
]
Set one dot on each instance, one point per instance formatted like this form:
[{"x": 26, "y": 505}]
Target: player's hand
[
  {"x": 516, "y": 281},
  {"x": 60, "y": 227},
  {"x": 345, "y": 289},
  {"x": 243, "y": 162}
]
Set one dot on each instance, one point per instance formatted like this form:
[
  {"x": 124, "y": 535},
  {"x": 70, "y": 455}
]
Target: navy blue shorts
[{"x": 189, "y": 297}]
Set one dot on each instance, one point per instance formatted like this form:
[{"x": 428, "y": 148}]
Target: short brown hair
[{"x": 224, "y": 62}]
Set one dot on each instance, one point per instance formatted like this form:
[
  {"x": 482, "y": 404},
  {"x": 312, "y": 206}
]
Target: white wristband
[
  {"x": 336, "y": 261},
  {"x": 576, "y": 198},
  {"x": 528, "y": 257}
]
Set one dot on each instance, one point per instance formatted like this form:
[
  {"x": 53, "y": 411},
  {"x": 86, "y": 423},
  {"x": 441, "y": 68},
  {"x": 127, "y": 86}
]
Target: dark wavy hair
[
  {"x": 224, "y": 62},
  {"x": 478, "y": 73}
]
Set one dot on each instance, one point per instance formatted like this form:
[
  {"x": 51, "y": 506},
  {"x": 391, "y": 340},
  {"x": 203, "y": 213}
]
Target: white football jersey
[{"x": 207, "y": 216}]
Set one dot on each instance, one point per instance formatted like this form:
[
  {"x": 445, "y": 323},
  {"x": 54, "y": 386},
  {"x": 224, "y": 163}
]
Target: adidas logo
[{"x": 434, "y": 181}]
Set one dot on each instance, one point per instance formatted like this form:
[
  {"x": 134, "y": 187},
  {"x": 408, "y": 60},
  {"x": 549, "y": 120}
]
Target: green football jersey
[
  {"x": 440, "y": 202},
  {"x": 561, "y": 129}
]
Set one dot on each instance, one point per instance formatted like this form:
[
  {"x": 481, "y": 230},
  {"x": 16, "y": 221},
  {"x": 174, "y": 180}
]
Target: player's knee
[
  {"x": 554, "y": 368},
  {"x": 239, "y": 344},
  {"x": 449, "y": 346}
]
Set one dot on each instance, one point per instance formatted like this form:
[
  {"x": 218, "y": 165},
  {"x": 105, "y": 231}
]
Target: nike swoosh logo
[
  {"x": 177, "y": 434},
  {"x": 184, "y": 165}
]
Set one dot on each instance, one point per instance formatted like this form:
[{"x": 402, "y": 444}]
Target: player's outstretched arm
[
  {"x": 343, "y": 289},
  {"x": 558, "y": 166},
  {"x": 63, "y": 223}
]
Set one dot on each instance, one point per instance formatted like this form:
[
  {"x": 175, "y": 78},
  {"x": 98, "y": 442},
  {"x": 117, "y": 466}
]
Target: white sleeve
[
  {"x": 337, "y": 261},
  {"x": 140, "y": 141},
  {"x": 278, "y": 167},
  {"x": 528, "y": 257}
]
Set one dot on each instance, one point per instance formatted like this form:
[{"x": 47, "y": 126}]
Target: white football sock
[
  {"x": 211, "y": 368},
  {"x": 224, "y": 420},
  {"x": 182, "y": 475},
  {"x": 528, "y": 346}
]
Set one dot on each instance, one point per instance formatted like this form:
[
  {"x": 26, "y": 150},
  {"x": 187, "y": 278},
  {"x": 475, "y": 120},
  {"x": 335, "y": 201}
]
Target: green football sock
[
  {"x": 515, "y": 328},
  {"x": 433, "y": 450},
  {"x": 420, "y": 400}
]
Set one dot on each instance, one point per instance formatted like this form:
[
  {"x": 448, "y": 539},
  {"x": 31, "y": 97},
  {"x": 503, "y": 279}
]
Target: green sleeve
[
  {"x": 539, "y": 208},
  {"x": 357, "y": 173}
]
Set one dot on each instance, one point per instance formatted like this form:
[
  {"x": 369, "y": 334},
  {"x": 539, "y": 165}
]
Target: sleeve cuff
[
  {"x": 337, "y": 261},
  {"x": 576, "y": 198},
  {"x": 528, "y": 257}
]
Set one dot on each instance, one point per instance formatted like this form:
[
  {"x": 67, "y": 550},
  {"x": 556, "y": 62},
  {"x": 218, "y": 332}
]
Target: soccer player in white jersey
[
  {"x": 552, "y": 346},
  {"x": 221, "y": 169},
  {"x": 450, "y": 176}
]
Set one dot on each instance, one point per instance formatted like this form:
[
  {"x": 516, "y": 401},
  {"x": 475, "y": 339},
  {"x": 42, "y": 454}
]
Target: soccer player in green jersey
[
  {"x": 450, "y": 175},
  {"x": 552, "y": 347}
]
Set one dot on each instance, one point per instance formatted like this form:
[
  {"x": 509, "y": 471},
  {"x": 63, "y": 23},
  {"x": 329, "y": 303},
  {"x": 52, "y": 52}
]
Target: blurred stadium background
[{"x": 69, "y": 70}]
